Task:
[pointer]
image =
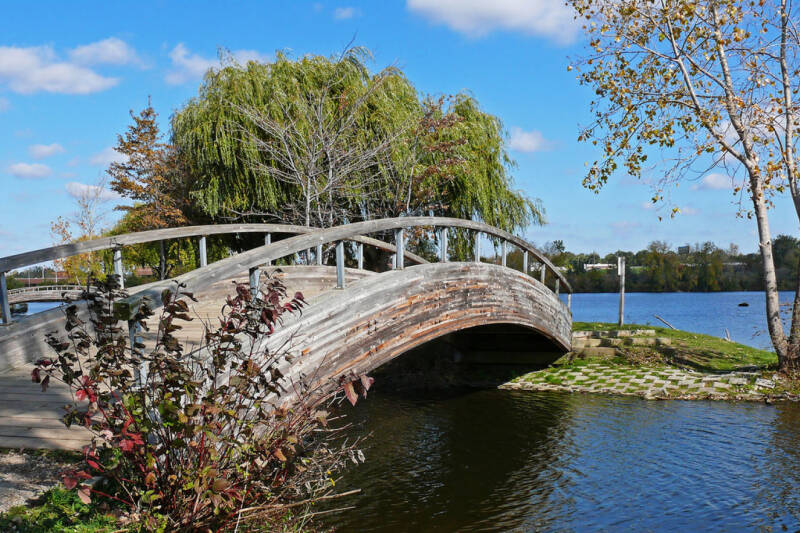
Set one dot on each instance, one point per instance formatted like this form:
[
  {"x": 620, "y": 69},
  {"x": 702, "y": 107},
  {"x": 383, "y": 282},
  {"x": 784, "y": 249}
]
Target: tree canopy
[
  {"x": 322, "y": 141},
  {"x": 710, "y": 83}
]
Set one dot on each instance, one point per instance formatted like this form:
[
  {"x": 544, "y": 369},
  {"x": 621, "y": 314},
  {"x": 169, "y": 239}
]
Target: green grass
[
  {"x": 57, "y": 510},
  {"x": 704, "y": 352}
]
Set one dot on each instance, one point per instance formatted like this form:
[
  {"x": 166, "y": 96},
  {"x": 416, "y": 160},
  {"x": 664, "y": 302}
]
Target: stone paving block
[
  {"x": 738, "y": 381},
  {"x": 663, "y": 341}
]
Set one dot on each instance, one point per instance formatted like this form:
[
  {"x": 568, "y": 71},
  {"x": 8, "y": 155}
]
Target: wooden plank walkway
[{"x": 31, "y": 419}]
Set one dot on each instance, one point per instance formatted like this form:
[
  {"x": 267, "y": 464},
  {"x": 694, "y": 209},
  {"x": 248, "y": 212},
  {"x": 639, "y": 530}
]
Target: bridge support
[
  {"x": 525, "y": 262},
  {"x": 203, "y": 253},
  {"x": 543, "y": 273},
  {"x": 360, "y": 255},
  {"x": 504, "y": 248},
  {"x": 319, "y": 255},
  {"x": 118, "y": 267},
  {"x": 558, "y": 283},
  {"x": 477, "y": 248},
  {"x": 443, "y": 244},
  {"x": 399, "y": 242},
  {"x": 267, "y": 242},
  {"x": 340, "y": 265},
  {"x": 5, "y": 308}
]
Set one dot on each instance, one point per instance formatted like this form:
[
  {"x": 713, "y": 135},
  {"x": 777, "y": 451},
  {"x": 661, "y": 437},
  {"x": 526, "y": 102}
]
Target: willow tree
[
  {"x": 323, "y": 141},
  {"x": 709, "y": 83}
]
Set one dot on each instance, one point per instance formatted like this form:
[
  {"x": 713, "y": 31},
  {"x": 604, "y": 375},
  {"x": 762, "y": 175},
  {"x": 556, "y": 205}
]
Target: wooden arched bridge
[
  {"x": 44, "y": 293},
  {"x": 356, "y": 320}
]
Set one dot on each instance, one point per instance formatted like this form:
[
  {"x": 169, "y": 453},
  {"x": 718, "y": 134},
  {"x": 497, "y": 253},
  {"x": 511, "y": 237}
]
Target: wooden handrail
[
  {"x": 61, "y": 251},
  {"x": 250, "y": 259}
]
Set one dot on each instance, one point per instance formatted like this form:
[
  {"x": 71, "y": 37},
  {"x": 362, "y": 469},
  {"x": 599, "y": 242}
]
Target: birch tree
[{"x": 705, "y": 83}]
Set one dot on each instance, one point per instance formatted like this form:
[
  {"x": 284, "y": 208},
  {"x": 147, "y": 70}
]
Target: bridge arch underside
[{"x": 379, "y": 318}]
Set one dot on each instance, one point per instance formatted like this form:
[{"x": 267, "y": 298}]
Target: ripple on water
[{"x": 504, "y": 460}]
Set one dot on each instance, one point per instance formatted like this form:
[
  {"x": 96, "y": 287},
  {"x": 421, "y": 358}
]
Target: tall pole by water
[{"x": 621, "y": 273}]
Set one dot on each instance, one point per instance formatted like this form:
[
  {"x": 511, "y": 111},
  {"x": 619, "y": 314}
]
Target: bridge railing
[
  {"x": 307, "y": 238},
  {"x": 46, "y": 288}
]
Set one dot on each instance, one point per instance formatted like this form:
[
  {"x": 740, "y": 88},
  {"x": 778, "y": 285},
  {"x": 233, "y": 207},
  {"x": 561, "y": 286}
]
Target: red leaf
[
  {"x": 84, "y": 494},
  {"x": 350, "y": 392},
  {"x": 80, "y": 394},
  {"x": 70, "y": 481},
  {"x": 35, "y": 376},
  {"x": 366, "y": 382}
]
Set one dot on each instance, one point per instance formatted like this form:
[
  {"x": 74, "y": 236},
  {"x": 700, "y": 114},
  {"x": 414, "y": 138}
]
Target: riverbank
[{"x": 659, "y": 364}]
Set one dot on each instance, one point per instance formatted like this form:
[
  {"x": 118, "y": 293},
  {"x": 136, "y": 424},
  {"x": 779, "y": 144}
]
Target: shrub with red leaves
[{"x": 197, "y": 440}]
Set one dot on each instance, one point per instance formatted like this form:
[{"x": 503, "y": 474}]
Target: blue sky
[{"x": 70, "y": 73}]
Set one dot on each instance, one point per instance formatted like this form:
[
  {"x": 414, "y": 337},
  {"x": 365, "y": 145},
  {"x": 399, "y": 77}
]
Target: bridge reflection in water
[{"x": 357, "y": 320}]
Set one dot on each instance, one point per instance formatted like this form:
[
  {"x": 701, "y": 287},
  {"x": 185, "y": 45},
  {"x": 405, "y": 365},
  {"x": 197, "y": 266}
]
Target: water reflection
[{"x": 499, "y": 461}]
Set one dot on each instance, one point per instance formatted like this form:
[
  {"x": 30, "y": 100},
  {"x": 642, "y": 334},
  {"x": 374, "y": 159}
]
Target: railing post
[
  {"x": 525, "y": 261},
  {"x": 118, "y": 267},
  {"x": 203, "y": 253},
  {"x": 569, "y": 301},
  {"x": 543, "y": 273},
  {"x": 4, "y": 305},
  {"x": 318, "y": 257},
  {"x": 140, "y": 368},
  {"x": 340, "y": 265},
  {"x": 399, "y": 242},
  {"x": 504, "y": 248},
  {"x": 443, "y": 244},
  {"x": 255, "y": 274},
  {"x": 477, "y": 247},
  {"x": 360, "y": 254},
  {"x": 558, "y": 285},
  {"x": 267, "y": 242}
]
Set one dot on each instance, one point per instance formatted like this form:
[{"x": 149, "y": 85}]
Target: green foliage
[
  {"x": 59, "y": 510},
  {"x": 414, "y": 155}
]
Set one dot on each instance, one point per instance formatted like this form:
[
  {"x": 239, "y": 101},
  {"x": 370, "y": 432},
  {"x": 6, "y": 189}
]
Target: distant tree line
[{"x": 704, "y": 267}]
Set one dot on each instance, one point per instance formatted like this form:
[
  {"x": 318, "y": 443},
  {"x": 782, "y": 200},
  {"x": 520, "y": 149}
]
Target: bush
[{"x": 203, "y": 440}]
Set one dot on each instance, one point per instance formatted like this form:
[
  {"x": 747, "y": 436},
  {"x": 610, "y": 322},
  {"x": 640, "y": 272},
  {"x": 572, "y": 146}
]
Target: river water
[
  {"x": 495, "y": 460},
  {"x": 492, "y": 460},
  {"x": 701, "y": 312}
]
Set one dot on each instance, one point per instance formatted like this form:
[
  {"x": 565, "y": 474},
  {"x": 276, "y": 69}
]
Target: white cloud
[
  {"x": 106, "y": 157},
  {"x": 689, "y": 211},
  {"x": 187, "y": 66},
  {"x": 111, "y": 51},
  {"x": 82, "y": 190},
  {"x": 4, "y": 104},
  {"x": 344, "y": 13},
  {"x": 40, "y": 151},
  {"x": 545, "y": 18},
  {"x": 35, "y": 69},
  {"x": 29, "y": 171},
  {"x": 528, "y": 141},
  {"x": 714, "y": 182},
  {"x": 649, "y": 206}
]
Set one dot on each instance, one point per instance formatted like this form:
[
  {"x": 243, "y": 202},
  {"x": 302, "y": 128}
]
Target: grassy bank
[
  {"x": 686, "y": 349},
  {"x": 660, "y": 363}
]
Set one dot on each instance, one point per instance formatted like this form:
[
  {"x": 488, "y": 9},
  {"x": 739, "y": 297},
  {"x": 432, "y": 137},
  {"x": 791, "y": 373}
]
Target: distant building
[
  {"x": 683, "y": 250},
  {"x": 587, "y": 267}
]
